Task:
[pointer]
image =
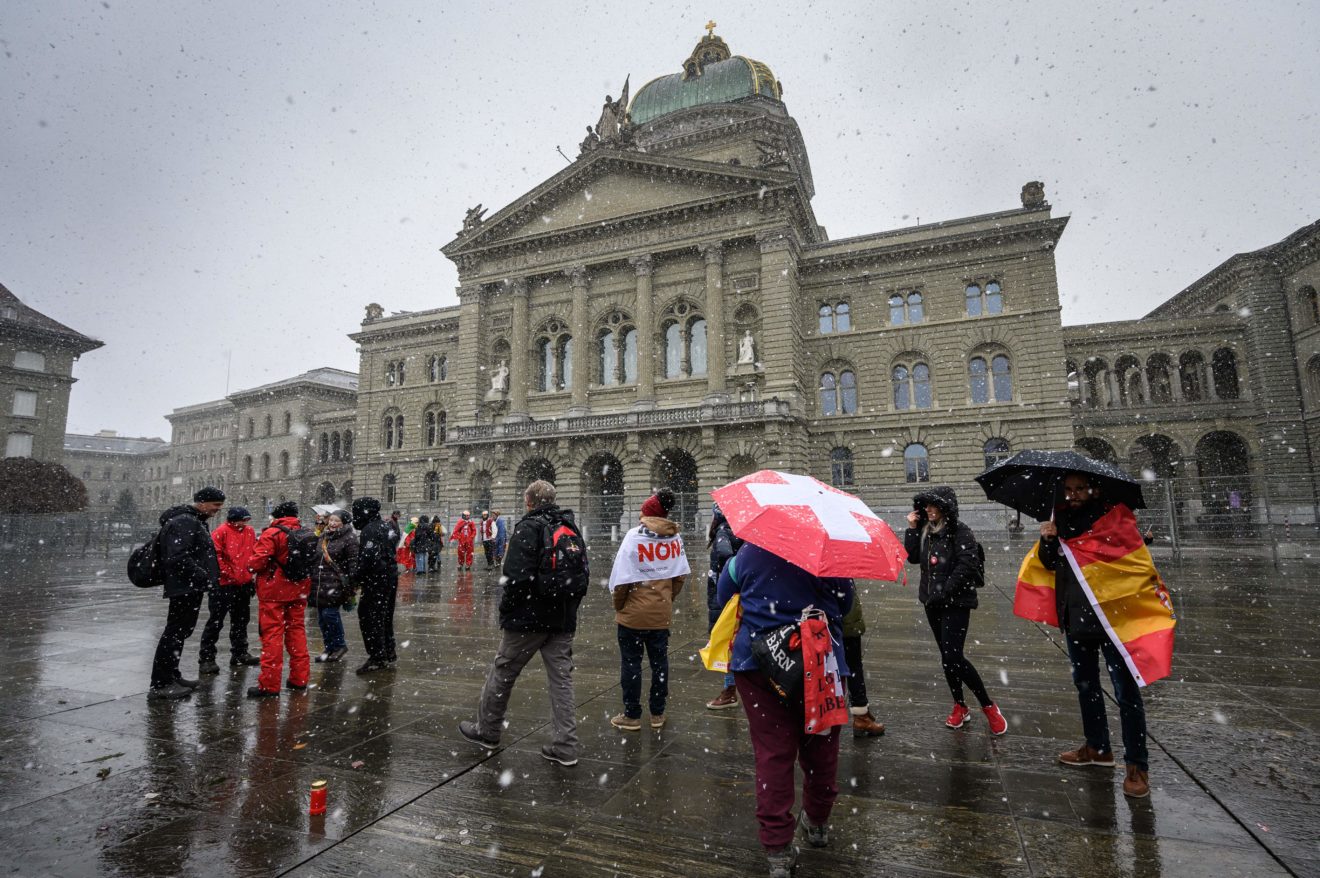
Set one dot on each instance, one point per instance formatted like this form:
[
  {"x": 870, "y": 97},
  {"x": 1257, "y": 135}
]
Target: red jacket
[
  {"x": 465, "y": 531},
  {"x": 233, "y": 547},
  {"x": 271, "y": 550}
]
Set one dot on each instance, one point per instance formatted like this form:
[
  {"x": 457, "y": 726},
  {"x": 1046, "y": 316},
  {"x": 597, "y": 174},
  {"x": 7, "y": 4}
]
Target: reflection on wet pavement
[{"x": 97, "y": 781}]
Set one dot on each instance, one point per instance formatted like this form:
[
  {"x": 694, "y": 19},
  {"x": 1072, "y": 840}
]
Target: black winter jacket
[
  {"x": 332, "y": 579},
  {"x": 723, "y": 547},
  {"x": 377, "y": 568},
  {"x": 951, "y": 568},
  {"x": 187, "y": 553},
  {"x": 521, "y": 607},
  {"x": 1076, "y": 616}
]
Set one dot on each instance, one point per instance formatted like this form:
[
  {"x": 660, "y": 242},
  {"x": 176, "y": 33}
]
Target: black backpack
[
  {"x": 564, "y": 572},
  {"x": 304, "y": 552},
  {"x": 145, "y": 569}
]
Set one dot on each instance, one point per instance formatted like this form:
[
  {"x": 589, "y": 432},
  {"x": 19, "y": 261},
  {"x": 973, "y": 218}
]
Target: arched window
[
  {"x": 564, "y": 361},
  {"x": 399, "y": 369},
  {"x": 554, "y": 357},
  {"x": 348, "y": 445},
  {"x": 437, "y": 368},
  {"x": 992, "y": 382},
  {"x": 1223, "y": 365},
  {"x": 1309, "y": 306},
  {"x": 325, "y": 448},
  {"x": 247, "y": 468},
  {"x": 435, "y": 427},
  {"x": 996, "y": 451},
  {"x": 265, "y": 466},
  {"x": 268, "y": 425},
  {"x": 697, "y": 347},
  {"x": 284, "y": 463},
  {"x": 984, "y": 300},
  {"x": 545, "y": 365},
  {"x": 431, "y": 487},
  {"x": 673, "y": 350},
  {"x": 841, "y": 468},
  {"x": 994, "y": 298},
  {"x": 336, "y": 448},
  {"x": 288, "y": 423},
  {"x": 388, "y": 485},
  {"x": 1191, "y": 376},
  {"x": 607, "y": 354},
  {"x": 838, "y": 392},
  {"x": 842, "y": 317},
  {"x": 906, "y": 308},
  {"x": 826, "y": 315},
  {"x": 629, "y": 356},
  {"x": 1159, "y": 369},
  {"x": 616, "y": 351},
  {"x": 916, "y": 463},
  {"x": 912, "y": 386},
  {"x": 393, "y": 430},
  {"x": 1313, "y": 379},
  {"x": 391, "y": 377},
  {"x": 829, "y": 394},
  {"x": 252, "y": 428}
]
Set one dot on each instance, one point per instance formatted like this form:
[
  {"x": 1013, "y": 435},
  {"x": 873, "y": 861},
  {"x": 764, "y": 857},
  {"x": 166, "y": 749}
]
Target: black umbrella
[{"x": 1029, "y": 481}]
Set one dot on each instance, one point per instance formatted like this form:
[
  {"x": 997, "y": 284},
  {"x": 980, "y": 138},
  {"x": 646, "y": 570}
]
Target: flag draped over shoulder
[
  {"x": 1118, "y": 576},
  {"x": 646, "y": 555}
]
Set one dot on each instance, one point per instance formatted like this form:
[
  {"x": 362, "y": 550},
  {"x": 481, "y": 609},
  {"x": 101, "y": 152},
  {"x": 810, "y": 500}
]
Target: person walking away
[
  {"x": 863, "y": 722},
  {"x": 649, "y": 571},
  {"x": 464, "y": 533},
  {"x": 421, "y": 544},
  {"x": 501, "y": 536},
  {"x": 488, "y": 539},
  {"x": 190, "y": 569},
  {"x": 545, "y": 577},
  {"x": 723, "y": 545},
  {"x": 377, "y": 581},
  {"x": 337, "y": 552},
  {"x": 1087, "y": 640},
  {"x": 234, "y": 541},
  {"x": 952, "y": 569},
  {"x": 282, "y": 589},
  {"x": 774, "y": 593},
  {"x": 438, "y": 534}
]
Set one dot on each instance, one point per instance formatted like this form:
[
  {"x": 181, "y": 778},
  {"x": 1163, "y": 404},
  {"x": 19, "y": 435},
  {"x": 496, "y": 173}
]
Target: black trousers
[
  {"x": 234, "y": 601},
  {"x": 949, "y": 624},
  {"x": 488, "y": 546},
  {"x": 852, "y": 655},
  {"x": 376, "y": 618},
  {"x": 179, "y": 625}
]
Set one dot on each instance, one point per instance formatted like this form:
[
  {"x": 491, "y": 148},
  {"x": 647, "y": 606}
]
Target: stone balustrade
[{"x": 657, "y": 419}]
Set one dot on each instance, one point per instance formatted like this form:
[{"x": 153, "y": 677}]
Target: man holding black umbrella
[{"x": 1087, "y": 639}]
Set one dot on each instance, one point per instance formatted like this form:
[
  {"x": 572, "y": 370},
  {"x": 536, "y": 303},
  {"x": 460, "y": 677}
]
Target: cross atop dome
[{"x": 710, "y": 50}]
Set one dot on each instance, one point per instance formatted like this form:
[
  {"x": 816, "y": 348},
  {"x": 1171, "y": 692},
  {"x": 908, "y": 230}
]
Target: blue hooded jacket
[{"x": 773, "y": 594}]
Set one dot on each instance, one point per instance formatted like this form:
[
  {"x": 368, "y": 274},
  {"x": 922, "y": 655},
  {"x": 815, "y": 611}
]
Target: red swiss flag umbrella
[{"x": 825, "y": 531}]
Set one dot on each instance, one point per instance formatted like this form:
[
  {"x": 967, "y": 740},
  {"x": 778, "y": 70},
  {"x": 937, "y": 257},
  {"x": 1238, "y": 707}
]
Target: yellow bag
[{"x": 718, "y": 652}]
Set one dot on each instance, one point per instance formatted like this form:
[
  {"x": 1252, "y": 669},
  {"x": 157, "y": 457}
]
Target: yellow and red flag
[{"x": 1118, "y": 576}]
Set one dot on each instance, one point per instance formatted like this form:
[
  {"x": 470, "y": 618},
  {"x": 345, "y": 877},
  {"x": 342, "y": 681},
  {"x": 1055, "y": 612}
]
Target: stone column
[
  {"x": 715, "y": 368},
  {"x": 1145, "y": 384},
  {"x": 1211, "y": 392},
  {"x": 785, "y": 369},
  {"x": 519, "y": 353},
  {"x": 645, "y": 334},
  {"x": 581, "y": 342}
]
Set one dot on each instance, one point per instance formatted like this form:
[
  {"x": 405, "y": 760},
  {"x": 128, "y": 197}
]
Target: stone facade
[
  {"x": 109, "y": 464},
  {"x": 36, "y": 374}
]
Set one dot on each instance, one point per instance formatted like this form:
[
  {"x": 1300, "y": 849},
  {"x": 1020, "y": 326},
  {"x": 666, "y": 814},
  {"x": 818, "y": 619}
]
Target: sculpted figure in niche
[
  {"x": 499, "y": 380},
  {"x": 747, "y": 348}
]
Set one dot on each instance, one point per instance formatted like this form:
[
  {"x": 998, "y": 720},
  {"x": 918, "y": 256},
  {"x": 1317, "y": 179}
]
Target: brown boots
[
  {"x": 1136, "y": 784},
  {"x": 1086, "y": 755},
  {"x": 865, "y": 726}
]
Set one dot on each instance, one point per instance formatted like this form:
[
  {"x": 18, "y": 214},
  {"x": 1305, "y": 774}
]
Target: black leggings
[{"x": 949, "y": 625}]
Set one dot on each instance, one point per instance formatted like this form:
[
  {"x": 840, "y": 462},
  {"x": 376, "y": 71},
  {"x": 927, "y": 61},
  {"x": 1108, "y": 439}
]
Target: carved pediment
[{"x": 611, "y": 187}]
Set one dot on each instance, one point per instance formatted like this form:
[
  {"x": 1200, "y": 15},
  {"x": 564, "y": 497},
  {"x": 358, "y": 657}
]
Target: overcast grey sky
[{"x": 183, "y": 180}]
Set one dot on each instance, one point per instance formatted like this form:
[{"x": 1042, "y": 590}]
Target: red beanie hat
[{"x": 653, "y": 508}]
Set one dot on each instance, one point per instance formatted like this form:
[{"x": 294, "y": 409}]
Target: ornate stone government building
[{"x": 667, "y": 310}]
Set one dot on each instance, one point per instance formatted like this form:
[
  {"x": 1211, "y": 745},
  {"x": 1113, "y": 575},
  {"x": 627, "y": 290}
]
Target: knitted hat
[
  {"x": 287, "y": 509},
  {"x": 209, "y": 495},
  {"x": 659, "y": 504}
]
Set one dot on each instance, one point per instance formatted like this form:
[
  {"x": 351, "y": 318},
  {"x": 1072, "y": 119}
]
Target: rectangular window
[
  {"x": 30, "y": 360},
  {"x": 25, "y": 404},
  {"x": 18, "y": 445}
]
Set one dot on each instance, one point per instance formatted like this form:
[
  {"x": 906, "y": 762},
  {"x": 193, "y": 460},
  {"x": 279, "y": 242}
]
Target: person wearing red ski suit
[
  {"x": 465, "y": 533},
  {"x": 281, "y": 609}
]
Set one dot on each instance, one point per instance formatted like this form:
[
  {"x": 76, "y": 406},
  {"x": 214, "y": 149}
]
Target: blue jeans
[
  {"x": 1132, "y": 714},
  {"x": 332, "y": 628},
  {"x": 632, "y": 642},
  {"x": 421, "y": 561}
]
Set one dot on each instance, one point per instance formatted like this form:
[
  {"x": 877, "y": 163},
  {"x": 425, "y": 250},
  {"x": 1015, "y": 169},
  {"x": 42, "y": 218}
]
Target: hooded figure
[
  {"x": 952, "y": 568},
  {"x": 377, "y": 577}
]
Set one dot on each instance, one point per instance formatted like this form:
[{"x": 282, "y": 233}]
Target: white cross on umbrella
[{"x": 834, "y": 510}]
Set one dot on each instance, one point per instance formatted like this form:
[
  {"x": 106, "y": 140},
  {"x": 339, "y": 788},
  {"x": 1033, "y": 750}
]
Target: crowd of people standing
[{"x": 354, "y": 556}]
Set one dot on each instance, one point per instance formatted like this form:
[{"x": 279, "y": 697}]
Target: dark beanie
[
  {"x": 238, "y": 513},
  {"x": 209, "y": 495},
  {"x": 287, "y": 509}
]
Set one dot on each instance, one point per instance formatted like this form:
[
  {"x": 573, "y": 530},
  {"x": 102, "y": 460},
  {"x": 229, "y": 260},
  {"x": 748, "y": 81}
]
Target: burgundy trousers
[{"x": 779, "y": 742}]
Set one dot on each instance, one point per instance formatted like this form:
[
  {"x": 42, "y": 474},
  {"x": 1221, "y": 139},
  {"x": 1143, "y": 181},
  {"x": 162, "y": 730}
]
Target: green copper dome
[{"x": 710, "y": 76}]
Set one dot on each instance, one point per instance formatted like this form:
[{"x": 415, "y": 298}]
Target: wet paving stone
[{"x": 95, "y": 780}]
